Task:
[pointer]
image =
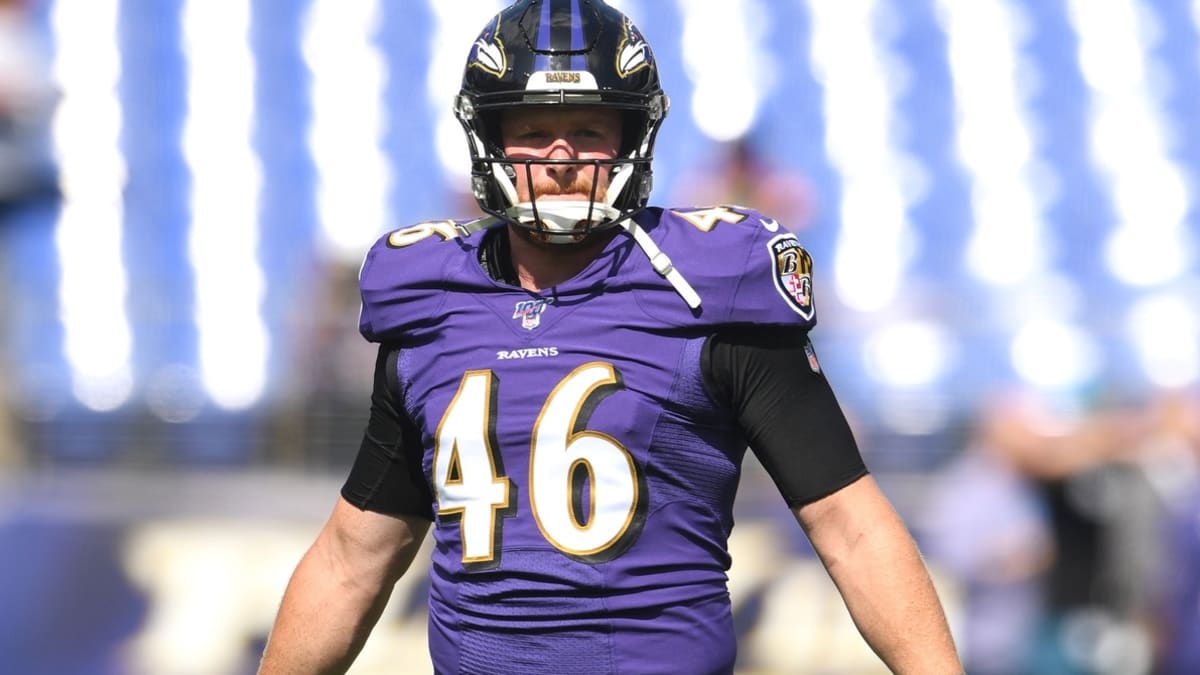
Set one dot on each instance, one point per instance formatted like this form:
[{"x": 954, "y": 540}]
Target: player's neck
[{"x": 541, "y": 265}]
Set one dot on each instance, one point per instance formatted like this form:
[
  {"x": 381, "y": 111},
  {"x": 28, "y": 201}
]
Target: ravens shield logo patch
[{"x": 793, "y": 273}]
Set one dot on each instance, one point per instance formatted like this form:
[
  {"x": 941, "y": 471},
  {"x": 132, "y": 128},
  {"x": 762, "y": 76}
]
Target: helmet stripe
[
  {"x": 545, "y": 40},
  {"x": 556, "y": 36},
  {"x": 578, "y": 61}
]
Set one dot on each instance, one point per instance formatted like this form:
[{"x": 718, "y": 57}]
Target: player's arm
[
  {"x": 882, "y": 578},
  {"x": 773, "y": 382},
  {"x": 339, "y": 590},
  {"x": 343, "y": 582}
]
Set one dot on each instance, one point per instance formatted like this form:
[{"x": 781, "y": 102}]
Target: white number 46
[{"x": 593, "y": 524}]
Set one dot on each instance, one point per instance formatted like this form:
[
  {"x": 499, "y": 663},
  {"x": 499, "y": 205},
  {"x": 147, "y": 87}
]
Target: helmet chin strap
[
  {"x": 661, "y": 263},
  {"x": 559, "y": 221}
]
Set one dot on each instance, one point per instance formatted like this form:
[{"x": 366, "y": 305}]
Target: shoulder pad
[
  {"x": 746, "y": 266},
  {"x": 438, "y": 230},
  {"x": 403, "y": 276}
]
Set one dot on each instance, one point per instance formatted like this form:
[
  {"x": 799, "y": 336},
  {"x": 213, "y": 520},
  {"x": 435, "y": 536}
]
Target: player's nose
[{"x": 561, "y": 149}]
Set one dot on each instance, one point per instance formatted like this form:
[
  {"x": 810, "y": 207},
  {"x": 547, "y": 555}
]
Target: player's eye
[{"x": 532, "y": 134}]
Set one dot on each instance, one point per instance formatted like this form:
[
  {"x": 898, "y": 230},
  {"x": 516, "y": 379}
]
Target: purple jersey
[{"x": 583, "y": 479}]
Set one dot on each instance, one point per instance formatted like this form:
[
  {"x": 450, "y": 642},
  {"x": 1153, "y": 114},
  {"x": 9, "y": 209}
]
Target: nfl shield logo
[
  {"x": 812, "y": 356},
  {"x": 530, "y": 313},
  {"x": 793, "y": 273}
]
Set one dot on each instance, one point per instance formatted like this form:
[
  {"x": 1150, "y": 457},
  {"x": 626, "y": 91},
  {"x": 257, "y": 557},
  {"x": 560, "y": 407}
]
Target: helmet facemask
[
  {"x": 555, "y": 53},
  {"x": 494, "y": 175}
]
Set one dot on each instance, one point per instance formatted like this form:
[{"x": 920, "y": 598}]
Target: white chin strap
[
  {"x": 560, "y": 219},
  {"x": 661, "y": 263}
]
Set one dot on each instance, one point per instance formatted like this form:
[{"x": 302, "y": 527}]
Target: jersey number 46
[{"x": 584, "y": 489}]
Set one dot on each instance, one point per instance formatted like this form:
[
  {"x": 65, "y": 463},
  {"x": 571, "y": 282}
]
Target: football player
[{"x": 568, "y": 406}]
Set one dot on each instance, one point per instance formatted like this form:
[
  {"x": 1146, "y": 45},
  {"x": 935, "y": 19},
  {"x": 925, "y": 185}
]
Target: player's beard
[
  {"x": 580, "y": 184},
  {"x": 579, "y": 188}
]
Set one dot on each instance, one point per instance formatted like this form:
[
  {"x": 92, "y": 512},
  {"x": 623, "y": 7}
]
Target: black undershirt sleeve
[
  {"x": 387, "y": 476},
  {"x": 786, "y": 409}
]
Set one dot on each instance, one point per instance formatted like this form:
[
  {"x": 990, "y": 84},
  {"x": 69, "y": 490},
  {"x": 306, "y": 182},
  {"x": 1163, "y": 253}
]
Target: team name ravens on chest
[{"x": 527, "y": 353}]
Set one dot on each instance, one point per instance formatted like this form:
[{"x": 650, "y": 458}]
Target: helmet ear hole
[
  {"x": 645, "y": 185},
  {"x": 633, "y": 122},
  {"x": 489, "y": 128},
  {"x": 479, "y": 187}
]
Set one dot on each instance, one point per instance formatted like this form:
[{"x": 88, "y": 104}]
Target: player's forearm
[
  {"x": 893, "y": 602},
  {"x": 324, "y": 619},
  {"x": 883, "y": 581}
]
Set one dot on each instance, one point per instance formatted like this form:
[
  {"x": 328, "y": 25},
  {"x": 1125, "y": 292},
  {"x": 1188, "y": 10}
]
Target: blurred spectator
[
  {"x": 11, "y": 447},
  {"x": 984, "y": 524},
  {"x": 1102, "y": 513},
  {"x": 26, "y": 170},
  {"x": 319, "y": 421},
  {"x": 1174, "y": 461},
  {"x": 27, "y": 99},
  {"x": 739, "y": 173}
]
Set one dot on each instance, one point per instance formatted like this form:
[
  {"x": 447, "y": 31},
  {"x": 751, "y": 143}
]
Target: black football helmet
[{"x": 561, "y": 53}]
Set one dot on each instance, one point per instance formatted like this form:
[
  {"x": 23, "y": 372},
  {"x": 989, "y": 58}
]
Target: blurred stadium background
[{"x": 1000, "y": 196}]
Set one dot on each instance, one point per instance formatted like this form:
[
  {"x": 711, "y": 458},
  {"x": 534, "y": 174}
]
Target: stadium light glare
[
  {"x": 908, "y": 354},
  {"x": 1130, "y": 143},
  {"x": 93, "y": 284},
  {"x": 725, "y": 102},
  {"x": 454, "y": 23},
  {"x": 1008, "y": 244},
  {"x": 226, "y": 181},
  {"x": 1144, "y": 258},
  {"x": 861, "y": 80},
  {"x": 1196, "y": 13},
  {"x": 1111, "y": 41},
  {"x": 867, "y": 274},
  {"x": 1165, "y": 331},
  {"x": 104, "y": 392},
  {"x": 1053, "y": 354},
  {"x": 341, "y": 50}
]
